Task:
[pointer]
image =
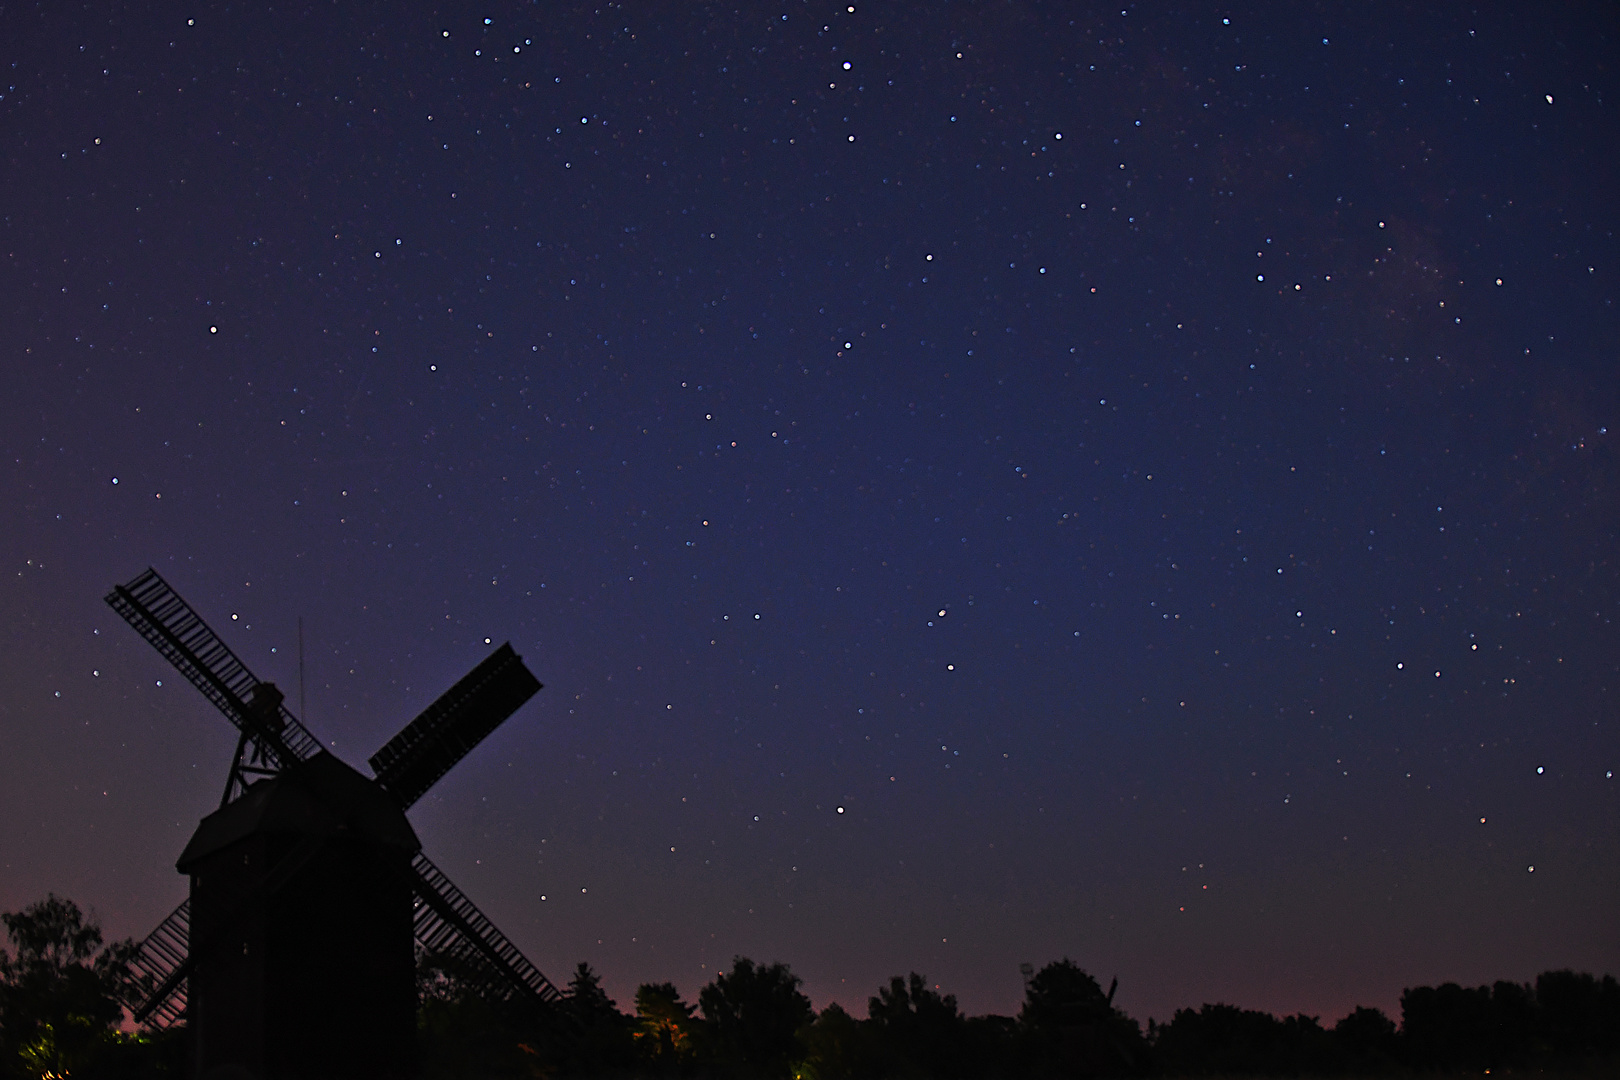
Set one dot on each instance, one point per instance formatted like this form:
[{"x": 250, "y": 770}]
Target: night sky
[{"x": 981, "y": 483}]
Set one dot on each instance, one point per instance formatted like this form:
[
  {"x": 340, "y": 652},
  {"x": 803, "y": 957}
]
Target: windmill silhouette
[{"x": 293, "y": 954}]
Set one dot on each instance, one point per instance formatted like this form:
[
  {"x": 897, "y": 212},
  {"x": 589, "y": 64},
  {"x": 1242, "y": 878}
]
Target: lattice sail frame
[
  {"x": 154, "y": 987},
  {"x": 447, "y": 922},
  {"x": 428, "y": 747},
  {"x": 271, "y": 738}
]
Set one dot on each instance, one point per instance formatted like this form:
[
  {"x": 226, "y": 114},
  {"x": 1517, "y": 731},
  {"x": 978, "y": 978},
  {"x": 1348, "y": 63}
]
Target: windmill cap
[{"x": 318, "y": 797}]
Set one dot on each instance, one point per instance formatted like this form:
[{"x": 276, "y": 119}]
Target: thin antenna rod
[{"x": 301, "y": 710}]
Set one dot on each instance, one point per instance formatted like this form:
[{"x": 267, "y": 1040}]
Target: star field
[{"x": 979, "y": 483}]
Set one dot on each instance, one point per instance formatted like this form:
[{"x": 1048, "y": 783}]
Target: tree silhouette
[
  {"x": 59, "y": 1008},
  {"x": 921, "y": 1032},
  {"x": 603, "y": 1041},
  {"x": 588, "y": 1001},
  {"x": 837, "y": 1047},
  {"x": 753, "y": 1016},
  {"x": 1071, "y": 1028},
  {"x": 1367, "y": 1040},
  {"x": 1446, "y": 1026},
  {"x": 1225, "y": 1039},
  {"x": 665, "y": 1031},
  {"x": 1579, "y": 1016},
  {"x": 1566, "y": 1020},
  {"x": 460, "y": 1033}
]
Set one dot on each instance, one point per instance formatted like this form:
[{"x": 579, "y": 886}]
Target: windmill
[{"x": 293, "y": 954}]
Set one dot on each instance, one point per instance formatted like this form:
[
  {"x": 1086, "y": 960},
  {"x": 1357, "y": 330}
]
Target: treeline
[
  {"x": 59, "y": 1017},
  {"x": 754, "y": 1022},
  {"x": 1564, "y": 1021}
]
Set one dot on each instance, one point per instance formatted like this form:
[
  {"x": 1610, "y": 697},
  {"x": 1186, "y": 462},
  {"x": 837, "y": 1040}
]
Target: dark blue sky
[{"x": 980, "y": 483}]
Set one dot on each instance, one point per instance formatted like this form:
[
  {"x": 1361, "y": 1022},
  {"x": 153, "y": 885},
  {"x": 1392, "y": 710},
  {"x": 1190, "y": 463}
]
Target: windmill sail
[
  {"x": 448, "y": 922},
  {"x": 430, "y": 745},
  {"x": 154, "y": 983},
  {"x": 158, "y": 613}
]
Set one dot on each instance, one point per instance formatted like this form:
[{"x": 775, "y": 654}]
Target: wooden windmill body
[{"x": 295, "y": 954}]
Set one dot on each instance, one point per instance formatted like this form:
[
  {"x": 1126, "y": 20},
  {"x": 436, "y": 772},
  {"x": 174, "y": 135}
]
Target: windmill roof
[{"x": 318, "y": 797}]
